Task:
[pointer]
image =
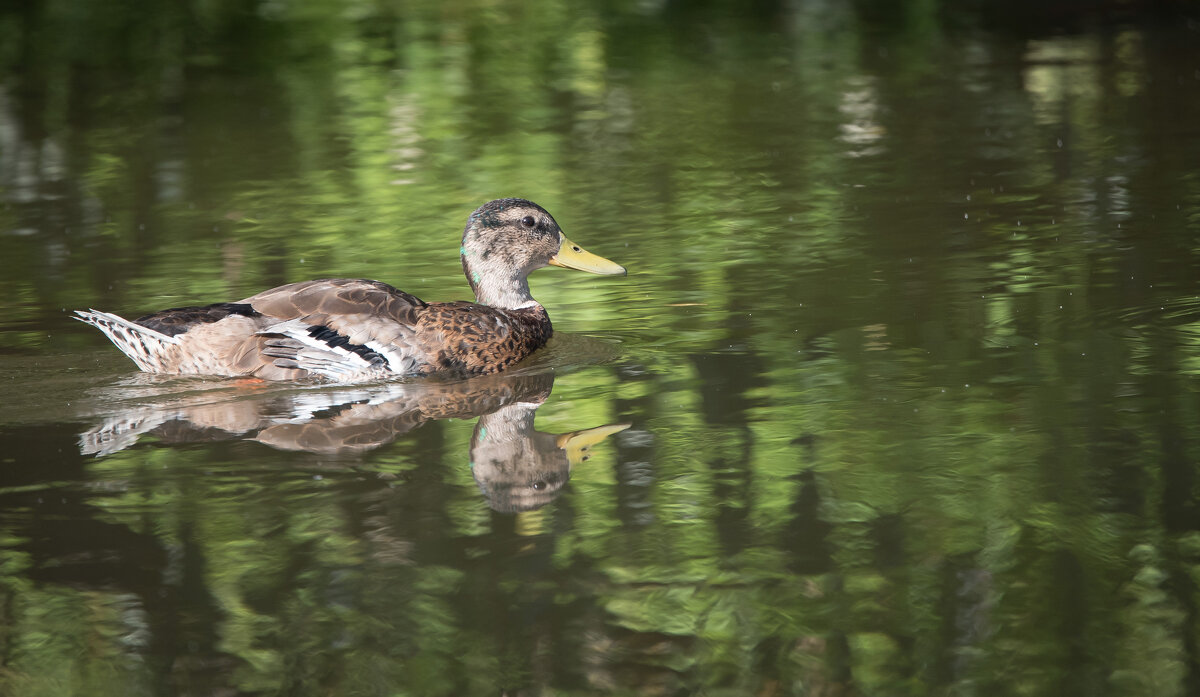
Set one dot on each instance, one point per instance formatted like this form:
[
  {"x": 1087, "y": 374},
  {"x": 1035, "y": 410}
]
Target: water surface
[{"x": 902, "y": 385}]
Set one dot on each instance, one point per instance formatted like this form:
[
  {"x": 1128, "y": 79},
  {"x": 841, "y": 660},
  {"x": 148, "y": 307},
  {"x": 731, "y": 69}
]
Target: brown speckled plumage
[{"x": 353, "y": 329}]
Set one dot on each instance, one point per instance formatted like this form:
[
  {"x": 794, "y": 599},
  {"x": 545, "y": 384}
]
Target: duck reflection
[
  {"x": 520, "y": 469},
  {"x": 516, "y": 467}
]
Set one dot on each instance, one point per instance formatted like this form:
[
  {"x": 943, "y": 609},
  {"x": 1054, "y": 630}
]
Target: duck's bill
[
  {"x": 579, "y": 443},
  {"x": 572, "y": 256}
]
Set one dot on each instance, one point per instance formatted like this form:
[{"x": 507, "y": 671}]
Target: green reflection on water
[{"x": 908, "y": 346}]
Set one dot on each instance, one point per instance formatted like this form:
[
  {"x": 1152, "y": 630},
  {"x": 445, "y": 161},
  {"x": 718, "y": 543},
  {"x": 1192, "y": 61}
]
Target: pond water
[{"x": 901, "y": 395}]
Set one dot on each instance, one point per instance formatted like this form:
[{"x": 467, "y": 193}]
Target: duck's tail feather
[{"x": 148, "y": 348}]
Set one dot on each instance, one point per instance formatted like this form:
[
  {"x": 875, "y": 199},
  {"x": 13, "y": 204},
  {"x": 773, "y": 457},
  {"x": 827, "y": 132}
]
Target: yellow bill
[
  {"x": 572, "y": 256},
  {"x": 578, "y": 444}
]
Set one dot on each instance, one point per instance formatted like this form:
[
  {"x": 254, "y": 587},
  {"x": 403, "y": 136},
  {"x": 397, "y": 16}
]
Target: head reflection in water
[
  {"x": 520, "y": 469},
  {"x": 516, "y": 467}
]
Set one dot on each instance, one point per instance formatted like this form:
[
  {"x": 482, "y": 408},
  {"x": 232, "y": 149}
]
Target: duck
[{"x": 345, "y": 329}]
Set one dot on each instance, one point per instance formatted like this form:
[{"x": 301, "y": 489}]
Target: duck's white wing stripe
[
  {"x": 319, "y": 349},
  {"x": 396, "y": 361}
]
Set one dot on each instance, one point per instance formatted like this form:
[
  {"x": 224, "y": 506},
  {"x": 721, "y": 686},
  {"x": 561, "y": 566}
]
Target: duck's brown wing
[
  {"x": 340, "y": 327},
  {"x": 340, "y": 301}
]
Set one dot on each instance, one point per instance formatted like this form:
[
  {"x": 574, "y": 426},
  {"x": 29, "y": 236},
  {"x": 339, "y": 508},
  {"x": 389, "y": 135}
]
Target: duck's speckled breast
[{"x": 477, "y": 339}]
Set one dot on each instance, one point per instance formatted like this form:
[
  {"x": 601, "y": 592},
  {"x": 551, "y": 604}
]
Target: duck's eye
[
  {"x": 538, "y": 485},
  {"x": 528, "y": 222}
]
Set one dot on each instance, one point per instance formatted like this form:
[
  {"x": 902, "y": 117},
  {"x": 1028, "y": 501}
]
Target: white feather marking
[
  {"x": 318, "y": 356},
  {"x": 396, "y": 360}
]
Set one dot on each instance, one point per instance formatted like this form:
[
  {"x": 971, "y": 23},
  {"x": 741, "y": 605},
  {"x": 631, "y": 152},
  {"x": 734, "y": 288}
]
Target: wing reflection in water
[{"x": 516, "y": 467}]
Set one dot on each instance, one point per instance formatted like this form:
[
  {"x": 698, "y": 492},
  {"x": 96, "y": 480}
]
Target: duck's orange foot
[{"x": 249, "y": 383}]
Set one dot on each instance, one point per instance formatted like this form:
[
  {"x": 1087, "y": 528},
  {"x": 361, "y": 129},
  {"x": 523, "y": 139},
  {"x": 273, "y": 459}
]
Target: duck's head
[{"x": 508, "y": 238}]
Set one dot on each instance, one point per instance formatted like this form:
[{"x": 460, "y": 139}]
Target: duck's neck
[
  {"x": 502, "y": 291},
  {"x": 509, "y": 423}
]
